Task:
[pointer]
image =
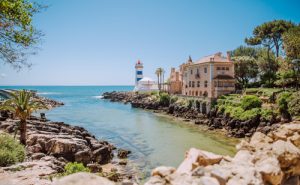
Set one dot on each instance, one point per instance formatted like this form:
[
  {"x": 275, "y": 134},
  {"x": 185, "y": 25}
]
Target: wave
[
  {"x": 47, "y": 93},
  {"x": 98, "y": 97}
]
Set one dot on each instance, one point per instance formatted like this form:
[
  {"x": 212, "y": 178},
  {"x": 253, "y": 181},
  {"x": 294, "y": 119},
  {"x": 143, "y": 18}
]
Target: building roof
[
  {"x": 217, "y": 57},
  {"x": 146, "y": 80},
  {"x": 224, "y": 77}
]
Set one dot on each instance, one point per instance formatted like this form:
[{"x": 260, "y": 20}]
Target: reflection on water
[{"x": 154, "y": 140}]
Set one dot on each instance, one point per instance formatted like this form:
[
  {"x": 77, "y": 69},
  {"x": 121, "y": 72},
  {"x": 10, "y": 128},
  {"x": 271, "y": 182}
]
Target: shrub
[
  {"x": 294, "y": 104},
  {"x": 164, "y": 99},
  {"x": 249, "y": 114},
  {"x": 236, "y": 112},
  {"x": 190, "y": 103},
  {"x": 173, "y": 99},
  {"x": 282, "y": 102},
  {"x": 75, "y": 167},
  {"x": 11, "y": 151},
  {"x": 268, "y": 114},
  {"x": 250, "y": 101}
]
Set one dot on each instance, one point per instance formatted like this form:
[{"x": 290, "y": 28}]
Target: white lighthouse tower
[{"x": 138, "y": 72}]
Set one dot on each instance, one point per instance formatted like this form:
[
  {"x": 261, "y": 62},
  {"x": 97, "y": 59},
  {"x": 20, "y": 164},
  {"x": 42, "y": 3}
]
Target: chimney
[{"x": 228, "y": 56}]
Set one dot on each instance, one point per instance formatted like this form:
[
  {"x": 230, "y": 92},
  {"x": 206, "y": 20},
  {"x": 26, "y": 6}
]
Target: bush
[
  {"x": 191, "y": 103},
  {"x": 236, "y": 112},
  {"x": 164, "y": 99},
  {"x": 294, "y": 104},
  {"x": 250, "y": 101},
  {"x": 282, "y": 101},
  {"x": 75, "y": 167},
  {"x": 268, "y": 114},
  {"x": 173, "y": 99},
  {"x": 11, "y": 151},
  {"x": 249, "y": 114}
]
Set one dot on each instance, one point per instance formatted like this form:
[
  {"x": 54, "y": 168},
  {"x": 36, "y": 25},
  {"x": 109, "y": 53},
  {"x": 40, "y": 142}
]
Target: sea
[{"x": 154, "y": 139}]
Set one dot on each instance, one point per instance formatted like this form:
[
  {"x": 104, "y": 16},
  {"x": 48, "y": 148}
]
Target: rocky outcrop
[
  {"x": 62, "y": 140},
  {"x": 264, "y": 159},
  {"x": 83, "y": 178}
]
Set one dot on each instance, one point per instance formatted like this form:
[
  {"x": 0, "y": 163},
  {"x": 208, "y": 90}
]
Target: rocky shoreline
[
  {"x": 212, "y": 119},
  {"x": 272, "y": 159},
  {"x": 51, "y": 145}
]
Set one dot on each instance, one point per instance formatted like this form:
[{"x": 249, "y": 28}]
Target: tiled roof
[{"x": 212, "y": 58}]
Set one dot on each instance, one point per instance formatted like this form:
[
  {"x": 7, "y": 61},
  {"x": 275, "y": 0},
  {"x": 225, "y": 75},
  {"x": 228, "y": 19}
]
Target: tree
[
  {"x": 245, "y": 69},
  {"x": 269, "y": 34},
  {"x": 286, "y": 76},
  {"x": 245, "y": 65},
  {"x": 18, "y": 36},
  {"x": 291, "y": 42},
  {"x": 268, "y": 66},
  {"x": 22, "y": 105},
  {"x": 159, "y": 73}
]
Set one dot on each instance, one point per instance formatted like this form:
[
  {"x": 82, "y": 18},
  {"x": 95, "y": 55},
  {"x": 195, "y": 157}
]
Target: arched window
[
  {"x": 205, "y": 94},
  {"x": 196, "y": 93},
  {"x": 205, "y": 83}
]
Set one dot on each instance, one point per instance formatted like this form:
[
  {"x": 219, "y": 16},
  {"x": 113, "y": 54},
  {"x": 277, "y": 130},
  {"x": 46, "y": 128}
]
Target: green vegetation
[
  {"x": 75, "y": 167},
  {"x": 250, "y": 101},
  {"x": 18, "y": 36},
  {"x": 164, "y": 99},
  {"x": 22, "y": 105},
  {"x": 11, "y": 151}
]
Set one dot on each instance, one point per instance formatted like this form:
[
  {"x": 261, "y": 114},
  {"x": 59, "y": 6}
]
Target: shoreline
[
  {"x": 212, "y": 119},
  {"x": 51, "y": 145}
]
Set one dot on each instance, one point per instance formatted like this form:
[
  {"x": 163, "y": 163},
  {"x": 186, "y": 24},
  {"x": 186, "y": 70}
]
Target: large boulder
[{"x": 83, "y": 178}]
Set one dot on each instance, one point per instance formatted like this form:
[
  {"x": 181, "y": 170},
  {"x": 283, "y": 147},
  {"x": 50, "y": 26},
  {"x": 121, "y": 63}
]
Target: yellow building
[{"x": 210, "y": 76}]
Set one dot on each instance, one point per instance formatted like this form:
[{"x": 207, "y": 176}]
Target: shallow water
[{"x": 153, "y": 139}]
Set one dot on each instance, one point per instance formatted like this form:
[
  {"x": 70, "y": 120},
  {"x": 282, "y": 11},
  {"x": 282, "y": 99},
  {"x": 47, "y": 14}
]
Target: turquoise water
[{"x": 153, "y": 139}]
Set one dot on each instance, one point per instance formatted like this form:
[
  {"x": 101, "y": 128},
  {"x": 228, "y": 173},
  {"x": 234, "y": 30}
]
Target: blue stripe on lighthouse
[{"x": 138, "y": 79}]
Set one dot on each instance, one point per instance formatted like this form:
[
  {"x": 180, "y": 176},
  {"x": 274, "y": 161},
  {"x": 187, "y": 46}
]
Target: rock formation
[{"x": 264, "y": 159}]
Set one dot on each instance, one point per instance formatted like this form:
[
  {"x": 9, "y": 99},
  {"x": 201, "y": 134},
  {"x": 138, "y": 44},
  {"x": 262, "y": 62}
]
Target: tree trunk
[
  {"x": 23, "y": 132},
  {"x": 163, "y": 81}
]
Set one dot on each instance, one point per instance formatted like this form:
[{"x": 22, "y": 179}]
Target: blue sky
[{"x": 97, "y": 42}]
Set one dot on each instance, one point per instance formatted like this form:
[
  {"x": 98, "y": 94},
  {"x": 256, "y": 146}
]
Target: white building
[{"x": 143, "y": 84}]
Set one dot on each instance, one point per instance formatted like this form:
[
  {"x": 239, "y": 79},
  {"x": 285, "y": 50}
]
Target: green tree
[
  {"x": 160, "y": 75},
  {"x": 18, "y": 36},
  {"x": 22, "y": 104},
  {"x": 291, "y": 42},
  {"x": 269, "y": 34},
  {"x": 268, "y": 66}
]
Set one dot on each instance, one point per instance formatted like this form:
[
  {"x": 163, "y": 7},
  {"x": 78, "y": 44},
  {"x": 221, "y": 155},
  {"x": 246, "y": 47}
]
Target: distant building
[
  {"x": 143, "y": 84},
  {"x": 211, "y": 76}
]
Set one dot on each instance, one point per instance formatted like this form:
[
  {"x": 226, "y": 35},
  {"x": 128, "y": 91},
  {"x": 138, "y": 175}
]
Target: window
[
  {"x": 218, "y": 68},
  {"x": 197, "y": 71},
  {"x": 191, "y": 71},
  {"x": 193, "y": 84},
  {"x": 198, "y": 84},
  {"x": 190, "y": 83},
  {"x": 205, "y": 83},
  {"x": 205, "y": 70},
  {"x": 139, "y": 72},
  {"x": 196, "y": 93},
  {"x": 185, "y": 93},
  {"x": 223, "y": 68},
  {"x": 227, "y": 68},
  {"x": 205, "y": 94}
]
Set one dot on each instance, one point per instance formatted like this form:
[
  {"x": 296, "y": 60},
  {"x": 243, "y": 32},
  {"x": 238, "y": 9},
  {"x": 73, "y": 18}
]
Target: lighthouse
[{"x": 138, "y": 72}]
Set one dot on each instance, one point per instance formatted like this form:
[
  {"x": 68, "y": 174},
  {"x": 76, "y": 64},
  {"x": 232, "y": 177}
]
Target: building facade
[
  {"x": 175, "y": 82},
  {"x": 211, "y": 76}
]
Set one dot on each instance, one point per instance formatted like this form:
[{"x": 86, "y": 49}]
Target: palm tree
[
  {"x": 22, "y": 105},
  {"x": 163, "y": 78},
  {"x": 158, "y": 73}
]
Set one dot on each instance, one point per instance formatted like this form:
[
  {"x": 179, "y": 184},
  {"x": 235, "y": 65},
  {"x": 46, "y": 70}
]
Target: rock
[
  {"x": 163, "y": 171},
  {"x": 82, "y": 178},
  {"x": 195, "y": 158},
  {"x": 208, "y": 181},
  {"x": 270, "y": 170},
  {"x": 123, "y": 153},
  {"x": 95, "y": 168},
  {"x": 102, "y": 155},
  {"x": 37, "y": 156},
  {"x": 123, "y": 162},
  {"x": 83, "y": 156}
]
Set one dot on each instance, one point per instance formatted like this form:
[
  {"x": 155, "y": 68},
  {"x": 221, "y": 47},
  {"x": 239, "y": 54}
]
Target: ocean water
[{"x": 153, "y": 139}]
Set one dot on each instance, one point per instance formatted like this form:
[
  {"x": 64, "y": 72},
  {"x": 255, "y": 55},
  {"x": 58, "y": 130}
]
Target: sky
[{"x": 97, "y": 42}]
